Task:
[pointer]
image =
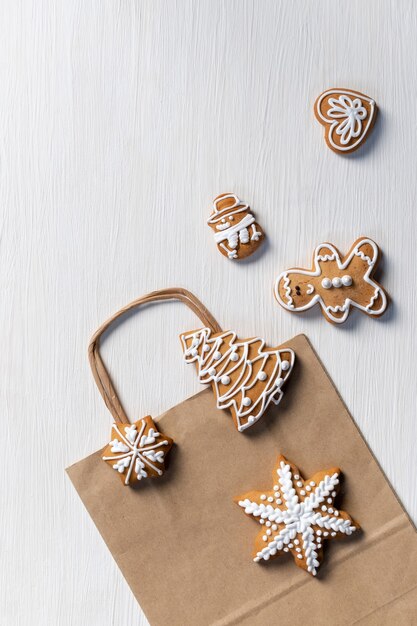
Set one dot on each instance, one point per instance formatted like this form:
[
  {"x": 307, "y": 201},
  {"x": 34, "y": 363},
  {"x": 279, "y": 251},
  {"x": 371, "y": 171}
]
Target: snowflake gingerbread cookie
[
  {"x": 236, "y": 231},
  {"x": 245, "y": 375},
  {"x": 297, "y": 515},
  {"x": 347, "y": 116},
  {"x": 137, "y": 451},
  {"x": 336, "y": 284}
]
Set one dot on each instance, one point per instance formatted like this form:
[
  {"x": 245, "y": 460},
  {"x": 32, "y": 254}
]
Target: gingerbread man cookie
[
  {"x": 137, "y": 451},
  {"x": 237, "y": 234},
  {"x": 336, "y": 284},
  {"x": 245, "y": 375},
  {"x": 297, "y": 515},
  {"x": 347, "y": 116}
]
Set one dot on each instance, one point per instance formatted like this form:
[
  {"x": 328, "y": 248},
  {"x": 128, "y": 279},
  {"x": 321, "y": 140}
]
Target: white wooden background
[{"x": 119, "y": 122}]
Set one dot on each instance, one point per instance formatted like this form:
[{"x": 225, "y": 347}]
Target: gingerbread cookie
[
  {"x": 137, "y": 451},
  {"x": 237, "y": 234},
  {"x": 245, "y": 375},
  {"x": 336, "y": 284},
  {"x": 347, "y": 116},
  {"x": 297, "y": 515}
]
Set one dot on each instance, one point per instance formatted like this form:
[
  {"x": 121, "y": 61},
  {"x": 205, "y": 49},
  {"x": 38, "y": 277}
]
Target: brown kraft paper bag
[{"x": 207, "y": 575}]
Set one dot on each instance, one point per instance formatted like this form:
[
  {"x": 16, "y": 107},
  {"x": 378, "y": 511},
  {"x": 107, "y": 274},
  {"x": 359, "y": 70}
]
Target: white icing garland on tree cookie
[
  {"x": 297, "y": 516},
  {"x": 245, "y": 375}
]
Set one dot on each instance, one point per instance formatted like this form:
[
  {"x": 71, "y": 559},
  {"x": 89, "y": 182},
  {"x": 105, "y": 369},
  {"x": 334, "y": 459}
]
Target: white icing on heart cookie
[{"x": 347, "y": 116}]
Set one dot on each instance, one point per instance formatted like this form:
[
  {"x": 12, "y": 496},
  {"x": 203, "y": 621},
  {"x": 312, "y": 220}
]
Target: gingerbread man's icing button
[
  {"x": 347, "y": 116},
  {"x": 236, "y": 232},
  {"x": 337, "y": 284},
  {"x": 137, "y": 451},
  {"x": 299, "y": 521}
]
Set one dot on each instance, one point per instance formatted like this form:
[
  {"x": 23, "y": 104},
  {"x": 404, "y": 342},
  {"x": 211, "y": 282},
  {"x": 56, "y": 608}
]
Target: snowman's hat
[{"x": 226, "y": 204}]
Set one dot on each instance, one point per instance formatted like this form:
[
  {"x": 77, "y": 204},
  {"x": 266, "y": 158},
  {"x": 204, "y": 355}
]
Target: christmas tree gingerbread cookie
[
  {"x": 245, "y": 375},
  {"x": 236, "y": 232},
  {"x": 297, "y": 516},
  {"x": 137, "y": 451},
  {"x": 337, "y": 284}
]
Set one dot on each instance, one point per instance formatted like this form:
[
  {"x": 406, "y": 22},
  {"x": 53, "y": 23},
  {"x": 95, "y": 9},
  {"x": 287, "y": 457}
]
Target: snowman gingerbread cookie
[
  {"x": 236, "y": 232},
  {"x": 336, "y": 284}
]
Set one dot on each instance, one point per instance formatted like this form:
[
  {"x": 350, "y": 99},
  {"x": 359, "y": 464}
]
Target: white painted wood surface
[{"x": 119, "y": 122}]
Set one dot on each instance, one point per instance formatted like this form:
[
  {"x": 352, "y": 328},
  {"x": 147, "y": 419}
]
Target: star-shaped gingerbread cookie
[
  {"x": 336, "y": 284},
  {"x": 297, "y": 515},
  {"x": 137, "y": 450}
]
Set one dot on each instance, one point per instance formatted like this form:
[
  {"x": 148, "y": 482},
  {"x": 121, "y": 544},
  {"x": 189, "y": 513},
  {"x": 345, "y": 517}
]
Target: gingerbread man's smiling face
[{"x": 334, "y": 283}]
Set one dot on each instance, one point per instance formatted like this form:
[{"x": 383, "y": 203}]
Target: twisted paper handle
[{"x": 100, "y": 373}]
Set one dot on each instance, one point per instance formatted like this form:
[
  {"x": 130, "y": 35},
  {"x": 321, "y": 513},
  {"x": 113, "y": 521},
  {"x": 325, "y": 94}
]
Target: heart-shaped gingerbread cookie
[{"x": 347, "y": 116}]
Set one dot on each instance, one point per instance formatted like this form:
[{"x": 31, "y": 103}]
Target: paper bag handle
[{"x": 100, "y": 373}]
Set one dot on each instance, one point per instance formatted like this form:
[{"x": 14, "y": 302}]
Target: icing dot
[
  {"x": 268, "y": 523},
  {"x": 268, "y": 532},
  {"x": 212, "y": 371},
  {"x": 330, "y": 510},
  {"x": 206, "y": 348},
  {"x": 263, "y": 497},
  {"x": 299, "y": 556},
  {"x": 262, "y": 376},
  {"x": 217, "y": 355},
  {"x": 298, "y": 549},
  {"x": 285, "y": 365},
  {"x": 336, "y": 282},
  {"x": 312, "y": 483},
  {"x": 290, "y": 545},
  {"x": 265, "y": 538},
  {"x": 302, "y": 492},
  {"x": 274, "y": 527},
  {"x": 270, "y": 499},
  {"x": 246, "y": 401},
  {"x": 333, "y": 494},
  {"x": 262, "y": 521},
  {"x": 276, "y": 488},
  {"x": 326, "y": 283},
  {"x": 234, "y": 356},
  {"x": 299, "y": 483},
  {"x": 193, "y": 352},
  {"x": 325, "y": 534},
  {"x": 324, "y": 507},
  {"x": 335, "y": 512},
  {"x": 333, "y": 534},
  {"x": 278, "y": 501},
  {"x": 225, "y": 380},
  {"x": 285, "y": 549},
  {"x": 318, "y": 532},
  {"x": 308, "y": 488},
  {"x": 296, "y": 542},
  {"x": 347, "y": 280},
  {"x": 296, "y": 477},
  {"x": 279, "y": 382},
  {"x": 329, "y": 500}
]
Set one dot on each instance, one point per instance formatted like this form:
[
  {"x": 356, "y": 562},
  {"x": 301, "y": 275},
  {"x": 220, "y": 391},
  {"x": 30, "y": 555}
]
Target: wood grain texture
[{"x": 119, "y": 123}]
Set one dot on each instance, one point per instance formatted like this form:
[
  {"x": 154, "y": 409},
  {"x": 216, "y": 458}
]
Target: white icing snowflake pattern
[
  {"x": 351, "y": 112},
  {"x": 135, "y": 452},
  {"x": 297, "y": 516}
]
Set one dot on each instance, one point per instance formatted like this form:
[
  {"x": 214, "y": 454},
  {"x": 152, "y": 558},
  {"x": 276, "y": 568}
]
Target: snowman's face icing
[{"x": 226, "y": 222}]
